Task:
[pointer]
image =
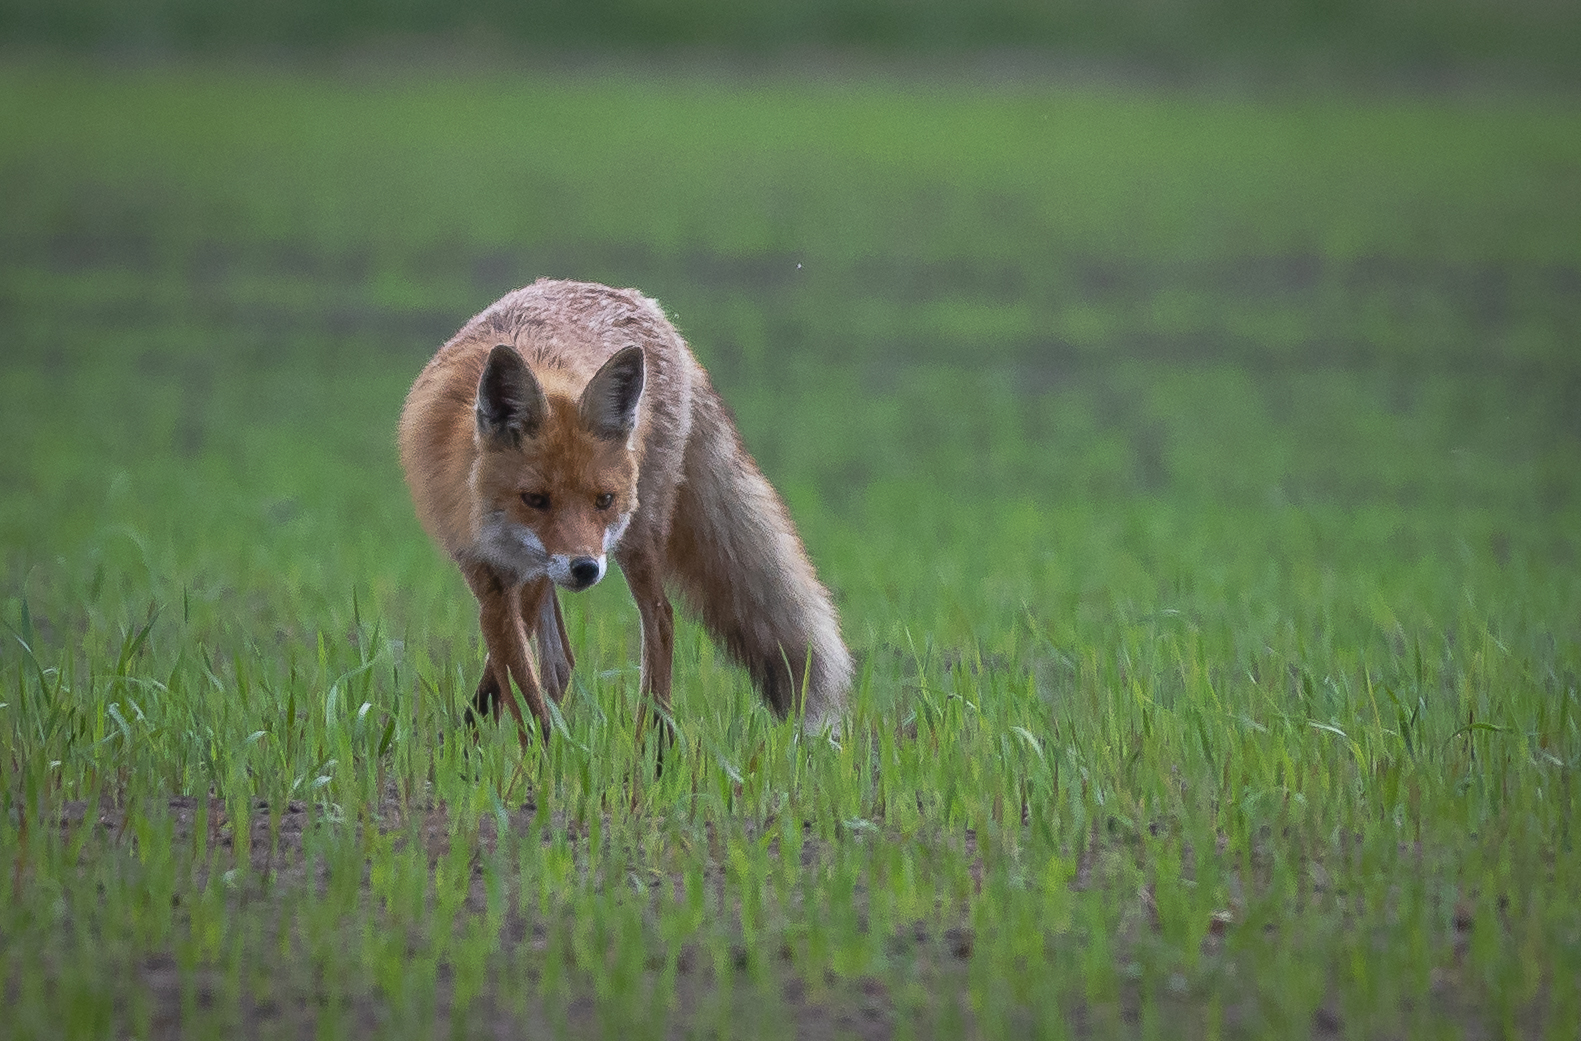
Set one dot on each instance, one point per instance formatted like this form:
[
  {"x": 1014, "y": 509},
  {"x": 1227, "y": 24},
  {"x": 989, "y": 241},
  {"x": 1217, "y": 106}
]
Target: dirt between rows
[
  {"x": 827, "y": 1006},
  {"x": 821, "y": 1003}
]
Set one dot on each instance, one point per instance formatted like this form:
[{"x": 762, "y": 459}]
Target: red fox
[{"x": 568, "y": 422}]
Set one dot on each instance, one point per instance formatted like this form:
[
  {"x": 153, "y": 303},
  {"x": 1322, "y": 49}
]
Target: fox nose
[{"x": 584, "y": 572}]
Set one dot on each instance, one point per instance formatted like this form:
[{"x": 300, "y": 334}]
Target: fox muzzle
[{"x": 576, "y": 573}]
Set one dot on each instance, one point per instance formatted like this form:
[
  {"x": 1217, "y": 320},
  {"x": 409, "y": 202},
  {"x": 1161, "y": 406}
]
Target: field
[{"x": 1198, "y": 475}]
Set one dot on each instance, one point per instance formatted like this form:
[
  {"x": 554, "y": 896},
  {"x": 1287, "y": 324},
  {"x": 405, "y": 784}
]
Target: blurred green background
[{"x": 1540, "y": 37}]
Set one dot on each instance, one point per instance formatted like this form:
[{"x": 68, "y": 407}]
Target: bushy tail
[{"x": 736, "y": 559}]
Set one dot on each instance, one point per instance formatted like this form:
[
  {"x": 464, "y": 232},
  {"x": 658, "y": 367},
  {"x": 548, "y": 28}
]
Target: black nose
[{"x": 584, "y": 572}]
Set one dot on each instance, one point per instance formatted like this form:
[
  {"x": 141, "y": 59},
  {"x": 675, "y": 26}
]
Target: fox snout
[{"x": 576, "y": 573}]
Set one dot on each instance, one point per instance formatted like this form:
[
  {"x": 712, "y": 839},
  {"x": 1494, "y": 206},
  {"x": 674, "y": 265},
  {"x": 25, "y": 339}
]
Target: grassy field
[{"x": 1199, "y": 477}]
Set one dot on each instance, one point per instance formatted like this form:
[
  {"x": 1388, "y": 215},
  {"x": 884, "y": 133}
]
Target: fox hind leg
[{"x": 555, "y": 660}]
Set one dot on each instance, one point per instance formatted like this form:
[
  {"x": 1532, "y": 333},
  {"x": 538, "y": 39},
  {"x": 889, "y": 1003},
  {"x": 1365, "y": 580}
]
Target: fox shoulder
[{"x": 438, "y": 444}]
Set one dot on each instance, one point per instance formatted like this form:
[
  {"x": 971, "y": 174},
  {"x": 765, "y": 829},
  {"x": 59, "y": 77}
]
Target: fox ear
[
  {"x": 511, "y": 405},
  {"x": 609, "y": 403}
]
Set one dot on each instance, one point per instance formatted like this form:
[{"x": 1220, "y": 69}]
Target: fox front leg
[
  {"x": 486, "y": 702},
  {"x": 509, "y": 655}
]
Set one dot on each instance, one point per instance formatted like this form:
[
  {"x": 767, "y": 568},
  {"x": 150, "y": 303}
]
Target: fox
[{"x": 569, "y": 423}]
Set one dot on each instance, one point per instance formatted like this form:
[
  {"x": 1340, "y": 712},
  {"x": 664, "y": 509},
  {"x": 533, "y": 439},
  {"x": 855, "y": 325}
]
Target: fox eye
[
  {"x": 536, "y": 500},
  {"x": 605, "y": 501}
]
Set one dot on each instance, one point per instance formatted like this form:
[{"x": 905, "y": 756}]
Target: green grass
[{"x": 1199, "y": 478}]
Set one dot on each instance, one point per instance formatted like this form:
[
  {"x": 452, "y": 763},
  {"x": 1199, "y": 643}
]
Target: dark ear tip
[
  {"x": 631, "y": 356},
  {"x": 504, "y": 354}
]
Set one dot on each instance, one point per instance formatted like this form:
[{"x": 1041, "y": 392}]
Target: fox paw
[{"x": 556, "y": 678}]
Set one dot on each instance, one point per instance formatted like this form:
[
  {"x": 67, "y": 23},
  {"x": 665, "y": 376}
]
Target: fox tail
[{"x": 740, "y": 566}]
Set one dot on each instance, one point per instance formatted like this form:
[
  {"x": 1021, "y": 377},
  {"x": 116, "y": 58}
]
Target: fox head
[{"x": 556, "y": 474}]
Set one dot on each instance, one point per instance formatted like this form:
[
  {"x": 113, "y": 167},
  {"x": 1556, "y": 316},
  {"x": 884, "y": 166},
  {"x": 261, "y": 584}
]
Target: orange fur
[{"x": 536, "y": 441}]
